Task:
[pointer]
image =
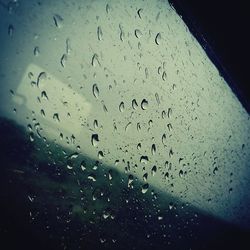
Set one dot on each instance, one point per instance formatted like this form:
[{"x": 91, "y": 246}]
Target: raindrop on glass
[
  {"x": 121, "y": 107},
  {"x": 158, "y": 38},
  {"x": 95, "y": 140},
  {"x": 145, "y": 188},
  {"x": 95, "y": 90},
  {"x": 58, "y": 20},
  {"x": 144, "y": 104}
]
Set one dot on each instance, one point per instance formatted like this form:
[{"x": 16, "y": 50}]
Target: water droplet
[
  {"x": 170, "y": 127},
  {"x": 127, "y": 126},
  {"x": 158, "y": 38},
  {"x": 95, "y": 60},
  {"x": 56, "y": 117},
  {"x": 100, "y": 155},
  {"x": 138, "y": 126},
  {"x": 164, "y": 76},
  {"x": 145, "y": 177},
  {"x": 95, "y": 124},
  {"x": 171, "y": 206},
  {"x": 105, "y": 109},
  {"x": 121, "y": 33},
  {"x": 138, "y": 33},
  {"x": 169, "y": 112},
  {"x": 58, "y": 20},
  {"x": 139, "y": 12},
  {"x": 157, "y": 98},
  {"x": 121, "y": 107},
  {"x": 171, "y": 152},
  {"x": 181, "y": 173},
  {"x": 164, "y": 139},
  {"x": 215, "y": 170},
  {"x": 95, "y": 90},
  {"x": 134, "y": 104},
  {"x": 110, "y": 175},
  {"x": 36, "y": 51},
  {"x": 31, "y": 136},
  {"x": 139, "y": 146},
  {"x": 73, "y": 155},
  {"x": 41, "y": 78},
  {"x": 92, "y": 177},
  {"x": 69, "y": 164},
  {"x": 144, "y": 159},
  {"x": 166, "y": 176},
  {"x": 42, "y": 112},
  {"x": 95, "y": 140},
  {"x": 153, "y": 149},
  {"x": 44, "y": 95},
  {"x": 99, "y": 33},
  {"x": 10, "y": 30},
  {"x": 163, "y": 114},
  {"x": 144, "y": 104},
  {"x": 83, "y": 165},
  {"x": 68, "y": 46},
  {"x": 145, "y": 188},
  {"x": 63, "y": 60},
  {"x": 130, "y": 180},
  {"x": 108, "y": 8},
  {"x": 153, "y": 170}
]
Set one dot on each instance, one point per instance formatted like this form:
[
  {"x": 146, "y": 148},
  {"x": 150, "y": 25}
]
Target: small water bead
[
  {"x": 138, "y": 33},
  {"x": 83, "y": 165},
  {"x": 36, "y": 51},
  {"x": 170, "y": 112},
  {"x": 92, "y": 177},
  {"x": 121, "y": 107},
  {"x": 139, "y": 13},
  {"x": 144, "y": 104},
  {"x": 164, "y": 139},
  {"x": 145, "y": 188},
  {"x": 42, "y": 112},
  {"x": 100, "y": 155},
  {"x": 56, "y": 117},
  {"x": 145, "y": 177},
  {"x": 95, "y": 140},
  {"x": 170, "y": 127},
  {"x": 68, "y": 46},
  {"x": 31, "y": 136},
  {"x": 95, "y": 60},
  {"x": 110, "y": 175},
  {"x": 144, "y": 159},
  {"x": 158, "y": 38},
  {"x": 95, "y": 90},
  {"x": 130, "y": 180},
  {"x": 73, "y": 155},
  {"x": 99, "y": 33},
  {"x": 134, "y": 104},
  {"x": 63, "y": 60},
  {"x": 181, "y": 174},
  {"x": 41, "y": 78},
  {"x": 153, "y": 170},
  {"x": 138, "y": 126},
  {"x": 153, "y": 149},
  {"x": 58, "y": 20},
  {"x": 44, "y": 95},
  {"x": 95, "y": 124}
]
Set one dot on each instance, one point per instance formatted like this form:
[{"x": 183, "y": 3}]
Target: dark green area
[{"x": 45, "y": 205}]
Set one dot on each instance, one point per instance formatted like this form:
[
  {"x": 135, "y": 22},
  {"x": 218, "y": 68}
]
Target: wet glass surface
[{"x": 117, "y": 131}]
